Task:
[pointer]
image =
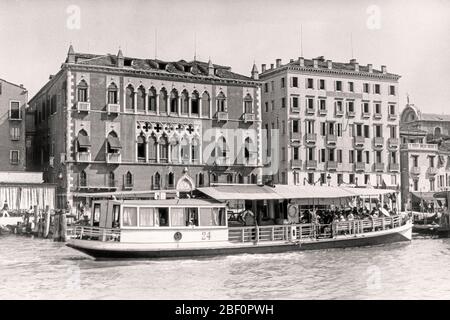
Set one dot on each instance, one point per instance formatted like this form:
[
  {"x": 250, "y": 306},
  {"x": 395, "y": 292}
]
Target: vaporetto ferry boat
[{"x": 205, "y": 225}]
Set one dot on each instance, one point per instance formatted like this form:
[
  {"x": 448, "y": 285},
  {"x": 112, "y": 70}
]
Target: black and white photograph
[{"x": 249, "y": 151}]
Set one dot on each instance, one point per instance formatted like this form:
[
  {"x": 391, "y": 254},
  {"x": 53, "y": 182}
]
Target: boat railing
[
  {"x": 96, "y": 233},
  {"x": 296, "y": 232}
]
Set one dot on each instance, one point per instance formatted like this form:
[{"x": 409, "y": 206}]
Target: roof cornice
[
  {"x": 161, "y": 75},
  {"x": 270, "y": 72}
]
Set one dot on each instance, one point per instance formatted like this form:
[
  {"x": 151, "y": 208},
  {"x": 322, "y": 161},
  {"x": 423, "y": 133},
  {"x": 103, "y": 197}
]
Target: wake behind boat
[{"x": 202, "y": 226}]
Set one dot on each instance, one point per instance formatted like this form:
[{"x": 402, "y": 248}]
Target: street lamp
[{"x": 328, "y": 179}]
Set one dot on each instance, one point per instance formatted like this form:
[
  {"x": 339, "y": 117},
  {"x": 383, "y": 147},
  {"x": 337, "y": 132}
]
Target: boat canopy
[
  {"x": 174, "y": 202},
  {"x": 281, "y": 192}
]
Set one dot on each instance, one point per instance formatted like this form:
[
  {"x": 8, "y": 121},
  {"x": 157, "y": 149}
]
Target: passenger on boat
[{"x": 350, "y": 216}]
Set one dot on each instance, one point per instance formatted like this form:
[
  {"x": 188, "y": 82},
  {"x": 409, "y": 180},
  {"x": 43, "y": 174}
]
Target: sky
[{"x": 410, "y": 37}]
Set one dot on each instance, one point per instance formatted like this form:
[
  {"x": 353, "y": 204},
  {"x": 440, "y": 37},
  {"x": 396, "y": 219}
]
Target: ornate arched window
[
  {"x": 174, "y": 150},
  {"x": 163, "y": 150},
  {"x": 195, "y": 104},
  {"x": 83, "y": 142},
  {"x": 200, "y": 179},
  {"x": 174, "y": 101},
  {"x": 221, "y": 105},
  {"x": 128, "y": 180},
  {"x": 112, "y": 94},
  {"x": 213, "y": 178},
  {"x": 83, "y": 179},
  {"x": 129, "y": 97},
  {"x": 82, "y": 91},
  {"x": 195, "y": 150},
  {"x": 248, "y": 104},
  {"x": 152, "y": 147},
  {"x": 111, "y": 179},
  {"x": 240, "y": 178},
  {"x": 113, "y": 143},
  {"x": 141, "y": 148},
  {"x": 184, "y": 102},
  {"x": 205, "y": 104},
  {"x": 152, "y": 100},
  {"x": 156, "y": 184},
  {"x": 222, "y": 148},
  {"x": 184, "y": 145},
  {"x": 140, "y": 99},
  {"x": 170, "y": 180},
  {"x": 163, "y": 101}
]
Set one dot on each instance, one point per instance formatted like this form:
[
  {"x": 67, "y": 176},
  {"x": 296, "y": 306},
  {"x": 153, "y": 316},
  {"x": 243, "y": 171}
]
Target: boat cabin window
[
  {"x": 116, "y": 216},
  {"x": 146, "y": 217},
  {"x": 163, "y": 217},
  {"x": 129, "y": 216},
  {"x": 183, "y": 217},
  {"x": 96, "y": 216},
  {"x": 212, "y": 217}
]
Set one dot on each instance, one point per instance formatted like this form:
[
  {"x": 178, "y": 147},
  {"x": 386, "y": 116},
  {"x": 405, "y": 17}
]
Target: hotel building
[
  {"x": 425, "y": 155},
  {"x": 337, "y": 122},
  {"x": 115, "y": 123}
]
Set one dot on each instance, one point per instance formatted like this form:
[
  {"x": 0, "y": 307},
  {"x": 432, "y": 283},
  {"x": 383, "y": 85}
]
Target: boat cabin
[{"x": 158, "y": 220}]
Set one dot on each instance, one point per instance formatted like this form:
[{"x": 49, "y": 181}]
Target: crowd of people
[{"x": 328, "y": 216}]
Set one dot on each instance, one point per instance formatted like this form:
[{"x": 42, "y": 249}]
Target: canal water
[{"x": 42, "y": 269}]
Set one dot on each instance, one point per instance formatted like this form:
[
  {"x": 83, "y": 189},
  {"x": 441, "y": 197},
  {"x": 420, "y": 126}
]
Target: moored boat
[{"x": 199, "y": 227}]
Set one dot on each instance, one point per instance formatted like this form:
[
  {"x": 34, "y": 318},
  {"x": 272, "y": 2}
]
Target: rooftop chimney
[
  {"x": 370, "y": 66},
  {"x": 21, "y": 85},
  {"x": 301, "y": 61},
  {"x": 383, "y": 69},
  {"x": 292, "y": 60},
  {"x": 329, "y": 64},
  {"x": 278, "y": 62},
  {"x": 271, "y": 66},
  {"x": 355, "y": 64},
  {"x": 316, "y": 62},
  {"x": 210, "y": 68},
  {"x": 263, "y": 67},
  {"x": 120, "y": 60}
]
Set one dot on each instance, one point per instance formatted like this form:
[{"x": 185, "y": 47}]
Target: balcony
[
  {"x": 295, "y": 109},
  {"x": 83, "y": 156},
  {"x": 393, "y": 143},
  {"x": 339, "y": 112},
  {"x": 310, "y": 111},
  {"x": 311, "y": 164},
  {"x": 331, "y": 139},
  {"x": 322, "y": 112},
  {"x": 360, "y": 166},
  {"x": 248, "y": 117},
  {"x": 351, "y": 113},
  {"x": 377, "y": 116},
  {"x": 331, "y": 165},
  {"x": 222, "y": 116},
  {"x": 83, "y": 106},
  {"x": 113, "y": 157},
  {"x": 311, "y": 138},
  {"x": 378, "y": 142},
  {"x": 112, "y": 108},
  {"x": 415, "y": 171},
  {"x": 112, "y": 184},
  {"x": 366, "y": 115},
  {"x": 420, "y": 146},
  {"x": 378, "y": 167},
  {"x": 392, "y": 116},
  {"x": 296, "y": 136},
  {"x": 296, "y": 163},
  {"x": 432, "y": 171},
  {"x": 394, "y": 167},
  {"x": 359, "y": 141}
]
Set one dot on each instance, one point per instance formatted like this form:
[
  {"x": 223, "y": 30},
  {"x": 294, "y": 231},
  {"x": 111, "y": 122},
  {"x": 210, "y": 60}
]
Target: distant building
[
  {"x": 13, "y": 100},
  {"x": 115, "y": 123},
  {"x": 425, "y": 155},
  {"x": 337, "y": 122}
]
